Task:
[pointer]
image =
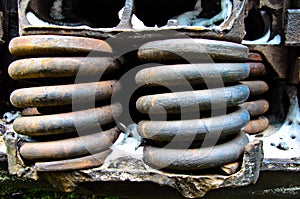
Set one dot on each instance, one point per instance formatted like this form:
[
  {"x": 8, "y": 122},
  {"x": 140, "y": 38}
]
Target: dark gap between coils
[
  {"x": 69, "y": 108},
  {"x": 45, "y": 138}
]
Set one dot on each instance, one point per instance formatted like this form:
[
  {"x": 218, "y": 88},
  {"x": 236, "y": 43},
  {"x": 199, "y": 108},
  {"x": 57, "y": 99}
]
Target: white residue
[
  {"x": 136, "y": 23},
  {"x": 57, "y": 10}
]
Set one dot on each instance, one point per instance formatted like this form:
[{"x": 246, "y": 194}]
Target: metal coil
[
  {"x": 194, "y": 74},
  {"x": 49, "y": 67},
  {"x": 66, "y": 122},
  {"x": 69, "y": 148},
  {"x": 256, "y": 126},
  {"x": 36, "y": 45},
  {"x": 194, "y": 130},
  {"x": 196, "y": 159},
  {"x": 190, "y": 100},
  {"x": 257, "y": 107},
  {"x": 63, "y": 94},
  {"x": 256, "y": 87},
  {"x": 86, "y": 162},
  {"x": 195, "y": 49}
]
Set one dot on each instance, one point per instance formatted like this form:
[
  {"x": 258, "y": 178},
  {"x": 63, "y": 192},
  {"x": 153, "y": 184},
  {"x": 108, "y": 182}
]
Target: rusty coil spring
[
  {"x": 256, "y": 105},
  {"x": 195, "y": 130},
  {"x": 53, "y": 57}
]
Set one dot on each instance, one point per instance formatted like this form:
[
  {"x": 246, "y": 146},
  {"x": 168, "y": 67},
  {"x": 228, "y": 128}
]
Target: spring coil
[
  {"x": 230, "y": 65},
  {"x": 57, "y": 58},
  {"x": 256, "y": 104}
]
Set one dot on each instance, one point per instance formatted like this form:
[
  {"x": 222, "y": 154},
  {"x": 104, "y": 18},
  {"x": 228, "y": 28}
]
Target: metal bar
[
  {"x": 69, "y": 148},
  {"x": 86, "y": 162},
  {"x": 190, "y": 130},
  {"x": 191, "y": 49},
  {"x": 61, "y": 67},
  {"x": 63, "y": 94},
  {"x": 192, "y": 101},
  {"x": 186, "y": 74},
  {"x": 35, "y": 45},
  {"x": 67, "y": 122},
  {"x": 257, "y": 107},
  {"x": 196, "y": 159},
  {"x": 256, "y": 87},
  {"x": 257, "y": 126}
]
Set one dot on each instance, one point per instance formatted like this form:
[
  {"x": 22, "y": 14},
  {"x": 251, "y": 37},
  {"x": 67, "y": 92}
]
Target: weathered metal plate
[
  {"x": 61, "y": 67},
  {"x": 257, "y": 107},
  {"x": 36, "y": 45},
  {"x": 256, "y": 87},
  {"x": 194, "y": 49},
  {"x": 292, "y": 29},
  {"x": 69, "y": 148},
  {"x": 86, "y": 162},
  {"x": 185, "y": 74},
  {"x": 257, "y": 125},
  {"x": 66, "y": 122},
  {"x": 196, "y": 159},
  {"x": 275, "y": 55},
  {"x": 190, "y": 130},
  {"x": 191, "y": 101},
  {"x": 63, "y": 94}
]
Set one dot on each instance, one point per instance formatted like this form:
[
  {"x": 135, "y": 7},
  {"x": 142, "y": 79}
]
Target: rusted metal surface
[
  {"x": 230, "y": 168},
  {"x": 189, "y": 130},
  {"x": 196, "y": 159},
  {"x": 69, "y": 148},
  {"x": 257, "y": 69},
  {"x": 195, "y": 49},
  {"x": 292, "y": 29},
  {"x": 232, "y": 29},
  {"x": 36, "y": 45},
  {"x": 86, "y": 162},
  {"x": 183, "y": 74},
  {"x": 275, "y": 55},
  {"x": 295, "y": 71},
  {"x": 190, "y": 101},
  {"x": 257, "y": 125},
  {"x": 63, "y": 94},
  {"x": 61, "y": 67},
  {"x": 30, "y": 111},
  {"x": 66, "y": 122},
  {"x": 257, "y": 107},
  {"x": 256, "y": 87},
  {"x": 254, "y": 57}
]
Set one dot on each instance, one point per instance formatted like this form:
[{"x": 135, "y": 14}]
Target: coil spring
[
  {"x": 48, "y": 60},
  {"x": 256, "y": 104},
  {"x": 230, "y": 67}
]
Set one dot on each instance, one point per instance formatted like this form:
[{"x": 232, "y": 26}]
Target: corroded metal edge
[
  {"x": 281, "y": 165},
  {"x": 190, "y": 186},
  {"x": 231, "y": 30}
]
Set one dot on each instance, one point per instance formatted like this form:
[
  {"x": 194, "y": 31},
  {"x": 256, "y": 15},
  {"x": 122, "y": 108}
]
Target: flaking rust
[{"x": 190, "y": 186}]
